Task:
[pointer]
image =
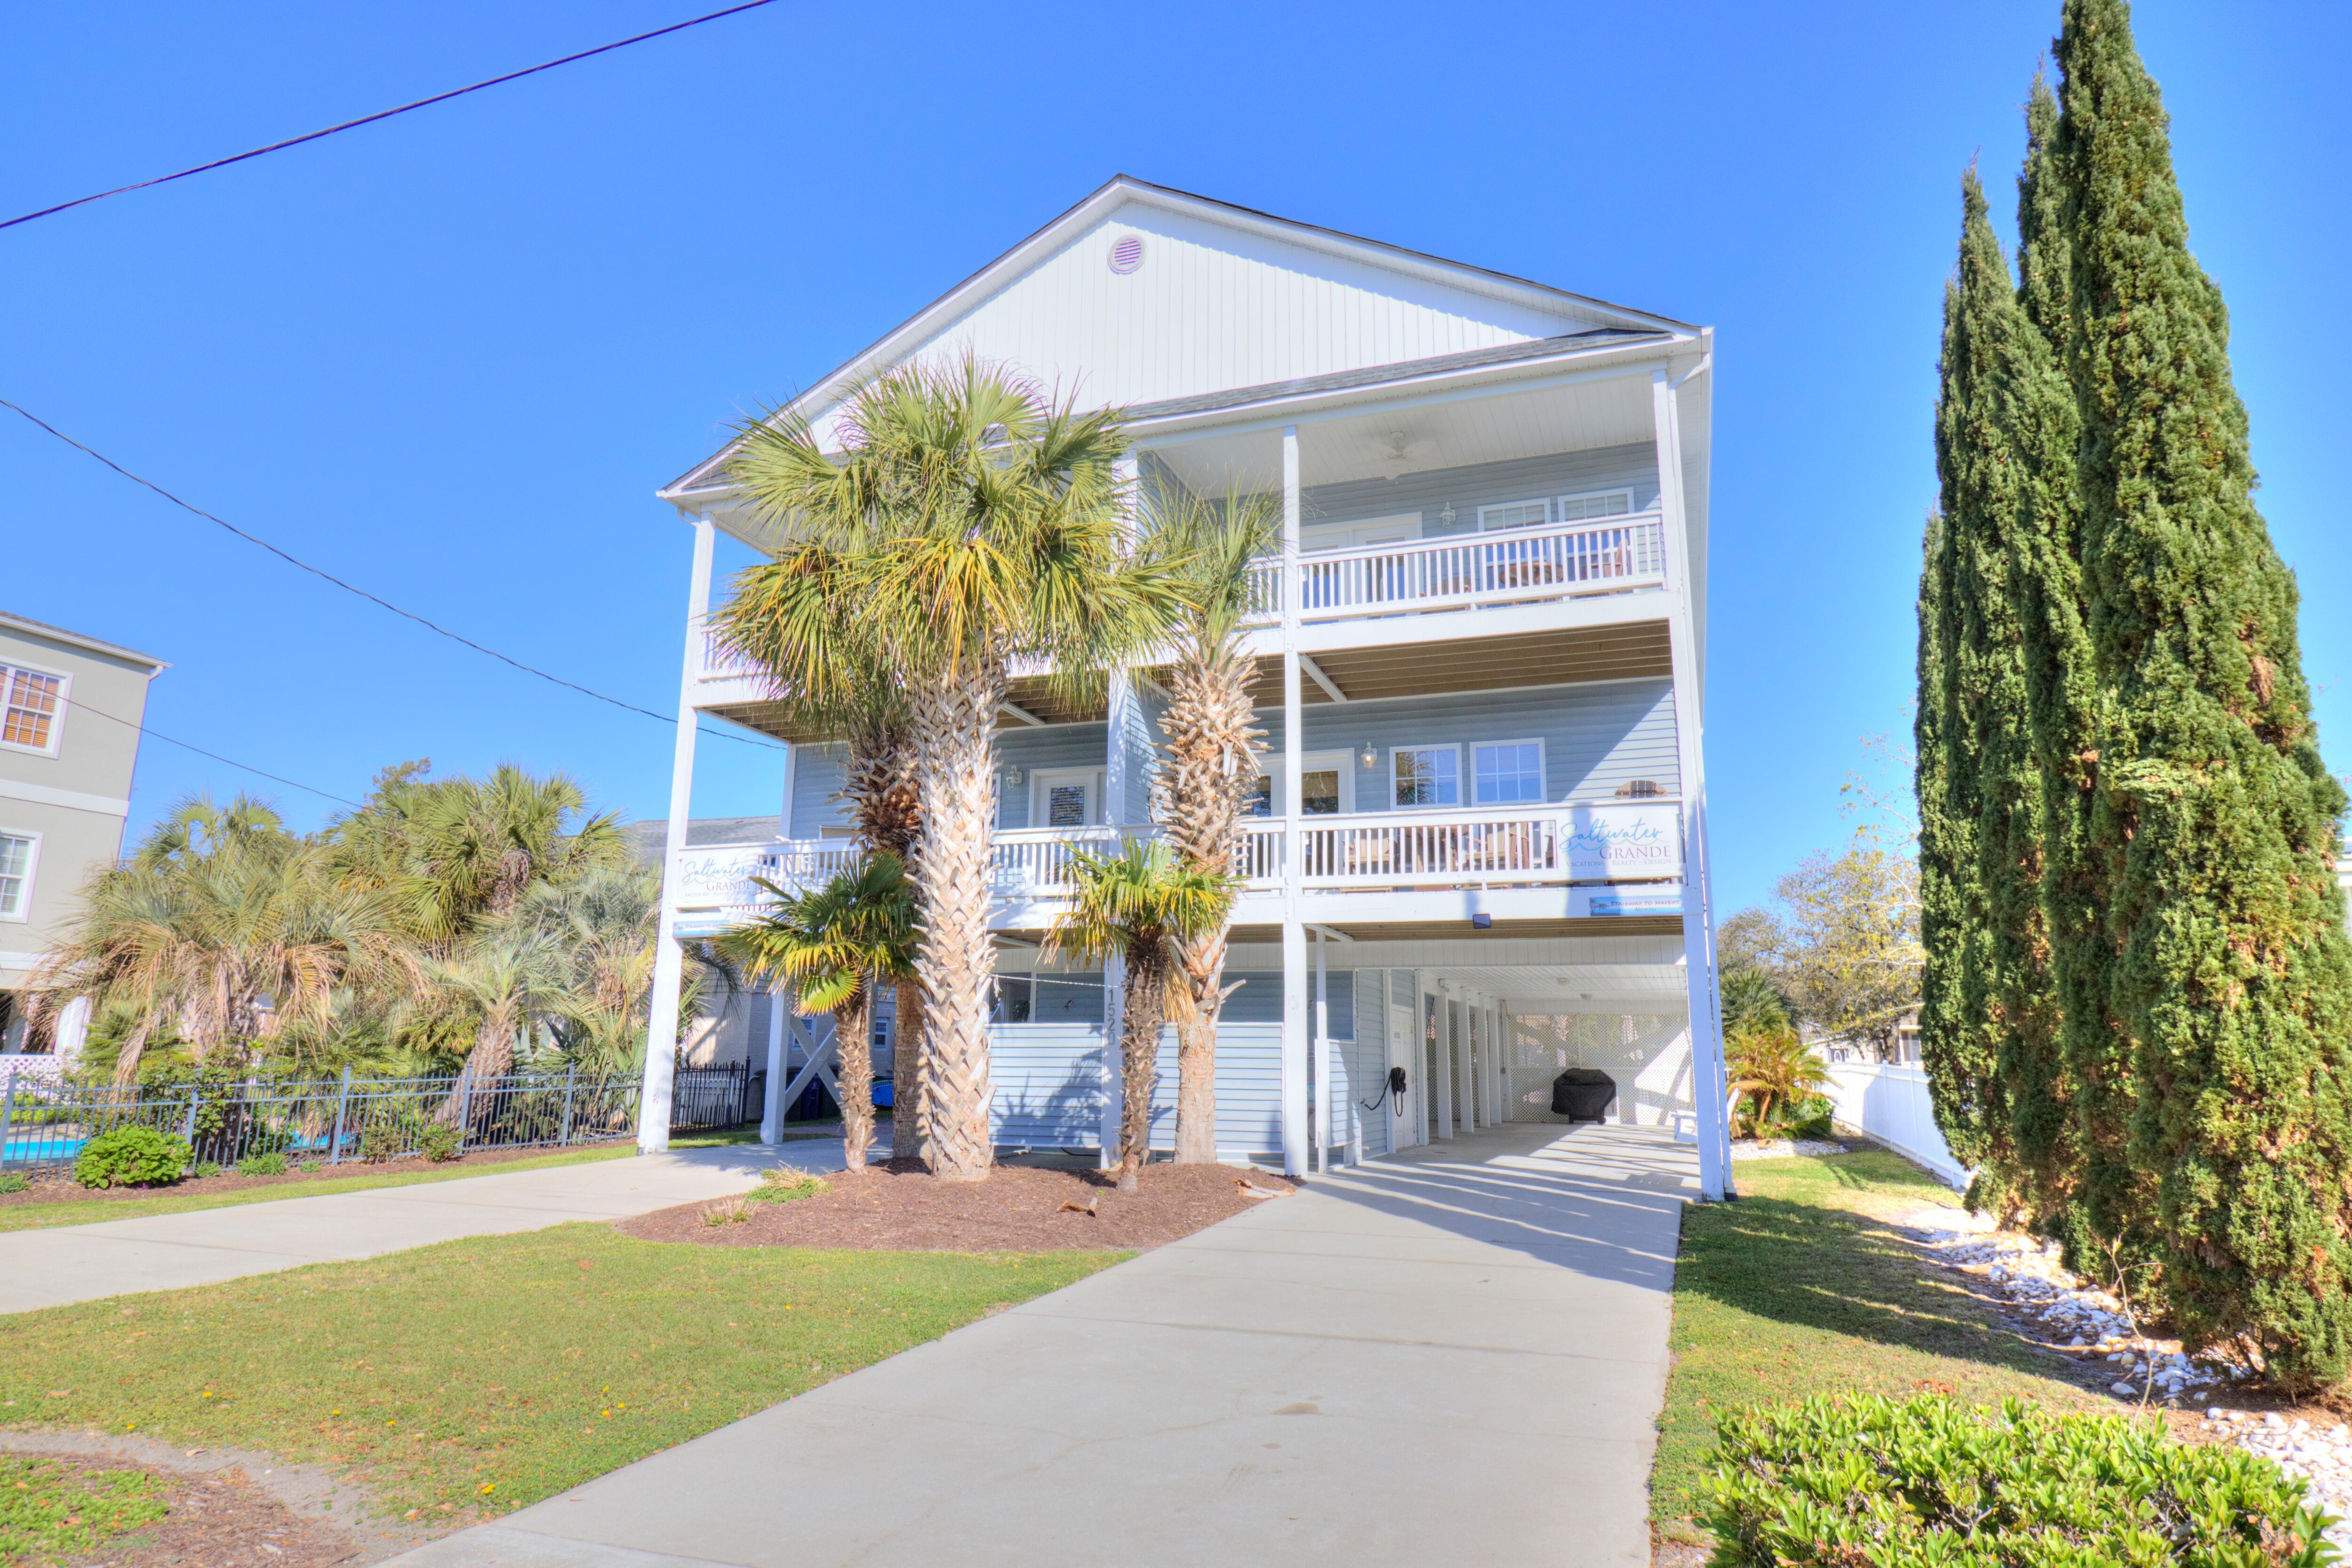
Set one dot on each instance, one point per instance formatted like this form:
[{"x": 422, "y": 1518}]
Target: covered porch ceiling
[
  {"x": 1416, "y": 431},
  {"x": 1562, "y": 657}
]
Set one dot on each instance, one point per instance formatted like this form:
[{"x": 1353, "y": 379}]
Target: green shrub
[
  {"x": 1933, "y": 1481},
  {"x": 14, "y": 1181},
  {"x": 383, "y": 1140},
  {"x": 783, "y": 1185},
  {"x": 262, "y": 1164},
  {"x": 131, "y": 1156},
  {"x": 310, "y": 1165},
  {"x": 439, "y": 1141},
  {"x": 207, "y": 1168}
]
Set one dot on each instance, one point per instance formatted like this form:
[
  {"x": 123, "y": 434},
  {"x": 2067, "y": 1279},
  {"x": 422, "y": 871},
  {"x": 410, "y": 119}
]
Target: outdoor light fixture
[
  {"x": 1445, "y": 517},
  {"x": 1015, "y": 776},
  {"x": 1482, "y": 922},
  {"x": 1367, "y": 754}
]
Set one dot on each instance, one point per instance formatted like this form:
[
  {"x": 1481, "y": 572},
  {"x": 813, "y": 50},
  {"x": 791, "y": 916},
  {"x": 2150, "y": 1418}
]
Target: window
[
  {"x": 16, "y": 875},
  {"x": 1595, "y": 503},
  {"x": 1507, "y": 774},
  {"x": 1517, "y": 515},
  {"x": 1427, "y": 775},
  {"x": 1259, "y": 802},
  {"x": 32, "y": 699}
]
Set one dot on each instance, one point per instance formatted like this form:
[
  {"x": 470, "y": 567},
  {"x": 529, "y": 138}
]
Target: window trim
[
  {"x": 1543, "y": 501},
  {"x": 32, "y": 871},
  {"x": 1453, "y": 746},
  {"x": 64, "y": 679},
  {"x": 1624, "y": 490},
  {"x": 1543, "y": 772}
]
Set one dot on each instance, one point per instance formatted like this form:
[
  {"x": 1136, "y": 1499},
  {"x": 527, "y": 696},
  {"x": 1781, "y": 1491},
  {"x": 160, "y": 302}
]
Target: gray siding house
[{"x": 71, "y": 708}]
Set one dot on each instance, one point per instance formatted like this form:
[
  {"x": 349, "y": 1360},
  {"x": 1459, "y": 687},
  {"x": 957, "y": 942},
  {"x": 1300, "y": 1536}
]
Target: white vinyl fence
[{"x": 1889, "y": 1102}]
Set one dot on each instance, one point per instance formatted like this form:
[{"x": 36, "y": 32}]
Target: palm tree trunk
[
  {"x": 1196, "y": 1050},
  {"x": 491, "y": 1057},
  {"x": 1145, "y": 1010},
  {"x": 852, "y": 1033},
  {"x": 908, "y": 1068},
  {"x": 955, "y": 717}
]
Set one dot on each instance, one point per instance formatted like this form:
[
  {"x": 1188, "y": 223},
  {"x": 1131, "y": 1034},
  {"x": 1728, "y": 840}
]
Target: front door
[{"x": 1065, "y": 797}]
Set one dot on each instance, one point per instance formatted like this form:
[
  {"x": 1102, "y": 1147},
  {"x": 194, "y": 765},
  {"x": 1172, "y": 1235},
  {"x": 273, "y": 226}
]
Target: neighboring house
[
  {"x": 68, "y": 740},
  {"x": 1481, "y": 837}
]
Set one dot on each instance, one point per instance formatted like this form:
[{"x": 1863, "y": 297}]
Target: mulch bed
[
  {"x": 219, "y": 1522},
  {"x": 59, "y": 1184},
  {"x": 902, "y": 1206}
]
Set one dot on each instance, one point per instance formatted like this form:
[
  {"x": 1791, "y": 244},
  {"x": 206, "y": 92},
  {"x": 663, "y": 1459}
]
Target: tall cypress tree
[
  {"x": 2212, "y": 831},
  {"x": 1971, "y": 728},
  {"x": 2053, "y": 910}
]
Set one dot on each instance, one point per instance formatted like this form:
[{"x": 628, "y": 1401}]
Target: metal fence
[{"x": 43, "y": 1123}]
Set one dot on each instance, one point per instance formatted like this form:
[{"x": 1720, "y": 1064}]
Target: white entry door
[
  {"x": 1404, "y": 1129},
  {"x": 1065, "y": 797}
]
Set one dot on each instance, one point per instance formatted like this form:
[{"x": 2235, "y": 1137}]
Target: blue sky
[{"x": 450, "y": 357}]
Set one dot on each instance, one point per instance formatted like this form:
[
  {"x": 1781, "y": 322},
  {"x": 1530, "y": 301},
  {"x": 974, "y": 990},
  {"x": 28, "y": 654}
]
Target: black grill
[{"x": 1584, "y": 1094}]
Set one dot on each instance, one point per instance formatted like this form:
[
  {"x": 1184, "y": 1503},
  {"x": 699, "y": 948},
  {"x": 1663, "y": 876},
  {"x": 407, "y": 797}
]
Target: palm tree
[
  {"x": 967, "y": 523},
  {"x": 834, "y": 944},
  {"x": 237, "y": 929},
  {"x": 499, "y": 979},
  {"x": 1211, "y": 764},
  {"x": 603, "y": 924},
  {"x": 1775, "y": 1068},
  {"x": 1140, "y": 905}
]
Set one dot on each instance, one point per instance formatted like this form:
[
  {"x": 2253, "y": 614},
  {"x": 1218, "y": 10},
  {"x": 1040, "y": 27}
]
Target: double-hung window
[
  {"x": 17, "y": 853},
  {"x": 1595, "y": 503},
  {"x": 30, "y": 703},
  {"x": 1427, "y": 775},
  {"x": 1514, "y": 515},
  {"x": 1507, "y": 774}
]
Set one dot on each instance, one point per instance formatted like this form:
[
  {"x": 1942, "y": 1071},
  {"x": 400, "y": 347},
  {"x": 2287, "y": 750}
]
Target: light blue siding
[
  {"x": 1260, "y": 999},
  {"x": 1631, "y": 468},
  {"x": 1048, "y": 1081},
  {"x": 1596, "y": 737}
]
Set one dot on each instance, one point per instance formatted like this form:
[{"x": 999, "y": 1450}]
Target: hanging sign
[
  {"x": 719, "y": 876},
  {"x": 1626, "y": 899},
  {"x": 1623, "y": 841}
]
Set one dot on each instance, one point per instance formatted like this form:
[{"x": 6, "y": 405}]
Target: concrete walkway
[
  {"x": 1456, "y": 1355},
  {"x": 169, "y": 1251}
]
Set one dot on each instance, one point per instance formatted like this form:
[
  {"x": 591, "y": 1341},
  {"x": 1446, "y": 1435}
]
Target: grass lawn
[
  {"x": 486, "y": 1373},
  {"x": 92, "y": 1210},
  {"x": 1800, "y": 1289},
  {"x": 49, "y": 1509}
]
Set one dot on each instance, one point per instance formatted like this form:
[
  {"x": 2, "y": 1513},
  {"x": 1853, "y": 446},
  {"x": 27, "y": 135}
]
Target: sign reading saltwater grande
[
  {"x": 719, "y": 874},
  {"x": 1623, "y": 841}
]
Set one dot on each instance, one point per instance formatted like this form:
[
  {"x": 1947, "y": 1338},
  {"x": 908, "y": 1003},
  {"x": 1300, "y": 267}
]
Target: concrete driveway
[
  {"x": 1456, "y": 1355},
  {"x": 167, "y": 1252}
]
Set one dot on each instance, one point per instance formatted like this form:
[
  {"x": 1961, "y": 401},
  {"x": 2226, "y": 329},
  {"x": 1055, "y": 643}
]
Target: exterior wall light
[
  {"x": 1017, "y": 776},
  {"x": 1367, "y": 755}
]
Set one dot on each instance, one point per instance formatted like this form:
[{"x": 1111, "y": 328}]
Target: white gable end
[{"x": 1209, "y": 307}]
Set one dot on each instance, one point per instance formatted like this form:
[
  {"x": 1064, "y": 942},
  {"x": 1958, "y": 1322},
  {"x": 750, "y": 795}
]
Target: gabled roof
[{"x": 1605, "y": 324}]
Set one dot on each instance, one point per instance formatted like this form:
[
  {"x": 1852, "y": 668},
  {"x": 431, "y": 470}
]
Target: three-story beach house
[{"x": 1479, "y": 851}]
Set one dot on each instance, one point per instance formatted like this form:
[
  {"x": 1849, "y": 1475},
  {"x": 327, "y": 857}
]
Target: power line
[
  {"x": 384, "y": 114},
  {"x": 76, "y": 704},
  {"x": 351, "y": 588}
]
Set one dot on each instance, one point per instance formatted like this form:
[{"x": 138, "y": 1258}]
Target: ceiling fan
[{"x": 1401, "y": 453}]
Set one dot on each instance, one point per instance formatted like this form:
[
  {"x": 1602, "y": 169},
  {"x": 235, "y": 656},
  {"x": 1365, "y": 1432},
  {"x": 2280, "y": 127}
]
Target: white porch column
[
  {"x": 1498, "y": 1062},
  {"x": 772, "y": 1112},
  {"x": 792, "y": 773},
  {"x": 1122, "y": 766},
  {"x": 1322, "y": 1076},
  {"x": 1699, "y": 918},
  {"x": 1295, "y": 1031},
  {"x": 1444, "y": 1072},
  {"x": 70, "y": 1032},
  {"x": 661, "y": 1025},
  {"x": 1465, "y": 1063},
  {"x": 1429, "y": 1058}
]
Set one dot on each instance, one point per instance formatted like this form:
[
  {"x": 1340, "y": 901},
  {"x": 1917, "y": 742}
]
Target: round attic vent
[{"x": 1127, "y": 254}]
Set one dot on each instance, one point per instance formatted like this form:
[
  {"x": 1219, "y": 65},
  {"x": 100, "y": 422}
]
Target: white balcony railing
[
  {"x": 1533, "y": 845},
  {"x": 1551, "y": 561}
]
